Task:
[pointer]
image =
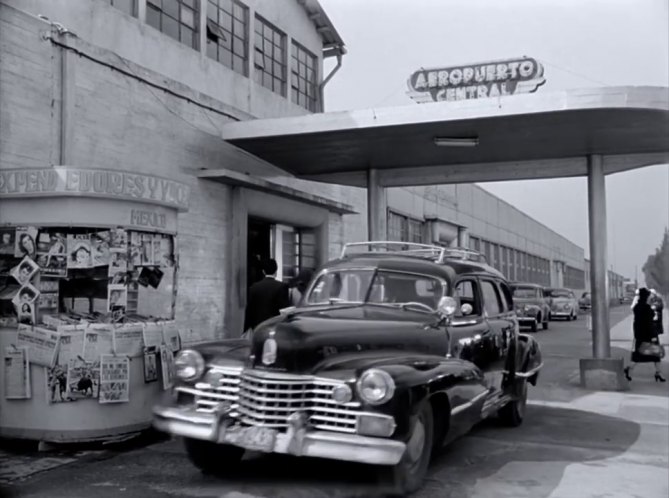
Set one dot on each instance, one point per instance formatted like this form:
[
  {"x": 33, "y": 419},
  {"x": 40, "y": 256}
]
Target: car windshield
[
  {"x": 524, "y": 292},
  {"x": 559, "y": 293},
  {"x": 375, "y": 286}
]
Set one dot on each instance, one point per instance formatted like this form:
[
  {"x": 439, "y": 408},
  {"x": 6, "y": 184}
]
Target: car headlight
[
  {"x": 189, "y": 365},
  {"x": 375, "y": 386}
]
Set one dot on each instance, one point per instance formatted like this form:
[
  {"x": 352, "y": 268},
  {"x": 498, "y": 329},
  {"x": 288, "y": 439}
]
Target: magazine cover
[
  {"x": 25, "y": 270},
  {"x": 117, "y": 297},
  {"x": 7, "y": 240},
  {"x": 100, "y": 248},
  {"x": 83, "y": 380},
  {"x": 56, "y": 384},
  {"x": 118, "y": 266},
  {"x": 114, "y": 379},
  {"x": 135, "y": 249},
  {"x": 79, "y": 251},
  {"x": 147, "y": 249},
  {"x": 167, "y": 366},
  {"x": 17, "y": 373},
  {"x": 118, "y": 238},
  {"x": 25, "y": 302},
  {"x": 150, "y": 365},
  {"x": 48, "y": 301},
  {"x": 25, "y": 242},
  {"x": 52, "y": 254}
]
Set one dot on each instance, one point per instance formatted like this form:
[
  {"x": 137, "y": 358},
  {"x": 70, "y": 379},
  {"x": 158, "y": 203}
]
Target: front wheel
[
  {"x": 408, "y": 475},
  {"x": 544, "y": 325},
  {"x": 212, "y": 458},
  {"x": 513, "y": 412},
  {"x": 533, "y": 327}
]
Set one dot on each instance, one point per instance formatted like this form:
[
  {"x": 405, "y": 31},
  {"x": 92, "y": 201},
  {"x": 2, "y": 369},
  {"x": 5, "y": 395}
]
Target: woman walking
[{"x": 645, "y": 334}]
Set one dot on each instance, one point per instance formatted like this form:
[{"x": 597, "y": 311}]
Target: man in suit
[{"x": 266, "y": 297}]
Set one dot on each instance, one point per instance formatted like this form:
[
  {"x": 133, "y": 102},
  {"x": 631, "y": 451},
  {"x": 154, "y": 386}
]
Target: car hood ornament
[{"x": 269, "y": 350}]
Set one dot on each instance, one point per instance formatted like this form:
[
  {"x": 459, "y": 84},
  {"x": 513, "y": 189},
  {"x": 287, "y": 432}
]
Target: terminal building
[{"x": 125, "y": 99}]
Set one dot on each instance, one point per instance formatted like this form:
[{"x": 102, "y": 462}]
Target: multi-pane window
[
  {"x": 178, "y": 19},
  {"x": 303, "y": 77},
  {"x": 127, "y": 6},
  {"x": 415, "y": 231},
  {"x": 404, "y": 229},
  {"x": 270, "y": 56},
  {"x": 228, "y": 33},
  {"x": 574, "y": 278}
]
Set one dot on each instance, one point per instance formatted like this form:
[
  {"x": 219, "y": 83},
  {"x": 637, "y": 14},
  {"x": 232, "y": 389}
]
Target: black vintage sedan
[{"x": 393, "y": 352}]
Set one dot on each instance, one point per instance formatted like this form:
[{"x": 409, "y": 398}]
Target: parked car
[
  {"x": 563, "y": 303},
  {"x": 391, "y": 354},
  {"x": 531, "y": 306},
  {"x": 585, "y": 303}
]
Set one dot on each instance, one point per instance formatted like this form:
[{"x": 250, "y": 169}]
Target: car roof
[
  {"x": 450, "y": 269},
  {"x": 526, "y": 284}
]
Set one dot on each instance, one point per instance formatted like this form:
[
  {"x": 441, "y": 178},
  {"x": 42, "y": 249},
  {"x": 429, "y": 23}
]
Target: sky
[{"x": 581, "y": 44}]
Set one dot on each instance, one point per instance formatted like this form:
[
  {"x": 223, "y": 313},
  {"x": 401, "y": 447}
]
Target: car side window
[
  {"x": 507, "y": 297},
  {"x": 466, "y": 292},
  {"x": 491, "y": 301}
]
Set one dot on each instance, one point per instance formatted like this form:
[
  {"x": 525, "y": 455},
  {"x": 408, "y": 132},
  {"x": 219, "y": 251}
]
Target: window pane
[
  {"x": 238, "y": 47},
  {"x": 239, "y": 11},
  {"x": 127, "y": 6},
  {"x": 238, "y": 27},
  {"x": 171, "y": 8},
  {"x": 491, "y": 302},
  {"x": 152, "y": 17},
  {"x": 212, "y": 49},
  {"x": 170, "y": 27},
  {"x": 226, "y": 22},
  {"x": 187, "y": 35},
  {"x": 187, "y": 17}
]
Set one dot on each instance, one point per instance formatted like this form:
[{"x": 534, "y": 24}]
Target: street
[{"x": 573, "y": 443}]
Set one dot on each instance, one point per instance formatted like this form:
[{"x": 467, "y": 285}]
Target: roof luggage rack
[{"x": 439, "y": 254}]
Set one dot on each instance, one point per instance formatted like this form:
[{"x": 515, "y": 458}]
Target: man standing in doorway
[{"x": 266, "y": 297}]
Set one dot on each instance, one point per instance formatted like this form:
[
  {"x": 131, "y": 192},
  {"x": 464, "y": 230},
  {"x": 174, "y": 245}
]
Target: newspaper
[
  {"x": 41, "y": 343},
  {"x": 171, "y": 335},
  {"x": 71, "y": 347},
  {"x": 128, "y": 340},
  {"x": 114, "y": 379},
  {"x": 98, "y": 340},
  {"x": 17, "y": 373},
  {"x": 167, "y": 366},
  {"x": 153, "y": 335}
]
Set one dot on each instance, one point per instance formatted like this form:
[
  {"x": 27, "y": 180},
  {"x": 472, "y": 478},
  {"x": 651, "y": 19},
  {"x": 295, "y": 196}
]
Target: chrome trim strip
[
  {"x": 468, "y": 404},
  {"x": 530, "y": 373}
]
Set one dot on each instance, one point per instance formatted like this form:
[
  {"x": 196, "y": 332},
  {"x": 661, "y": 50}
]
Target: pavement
[{"x": 573, "y": 443}]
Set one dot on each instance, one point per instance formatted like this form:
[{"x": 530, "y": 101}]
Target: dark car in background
[
  {"x": 563, "y": 303},
  {"x": 531, "y": 306},
  {"x": 394, "y": 351},
  {"x": 585, "y": 302}
]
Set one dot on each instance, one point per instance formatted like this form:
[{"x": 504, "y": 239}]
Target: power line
[{"x": 571, "y": 71}]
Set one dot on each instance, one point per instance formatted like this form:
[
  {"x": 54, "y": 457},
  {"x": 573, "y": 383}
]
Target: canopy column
[
  {"x": 377, "y": 206},
  {"x": 601, "y": 371}
]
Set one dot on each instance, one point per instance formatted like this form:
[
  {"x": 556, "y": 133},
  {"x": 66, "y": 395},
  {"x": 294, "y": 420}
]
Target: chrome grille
[{"x": 269, "y": 398}]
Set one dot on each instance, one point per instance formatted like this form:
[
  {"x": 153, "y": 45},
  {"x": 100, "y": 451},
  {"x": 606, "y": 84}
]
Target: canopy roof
[{"x": 519, "y": 137}]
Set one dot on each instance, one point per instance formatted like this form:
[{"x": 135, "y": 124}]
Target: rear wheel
[
  {"x": 212, "y": 458},
  {"x": 513, "y": 412},
  {"x": 408, "y": 475}
]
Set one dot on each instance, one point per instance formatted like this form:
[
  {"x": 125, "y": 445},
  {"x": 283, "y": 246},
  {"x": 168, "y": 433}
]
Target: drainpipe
[{"x": 321, "y": 86}]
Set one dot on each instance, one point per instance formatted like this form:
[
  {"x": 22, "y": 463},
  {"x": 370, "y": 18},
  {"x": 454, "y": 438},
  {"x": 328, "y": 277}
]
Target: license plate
[{"x": 251, "y": 438}]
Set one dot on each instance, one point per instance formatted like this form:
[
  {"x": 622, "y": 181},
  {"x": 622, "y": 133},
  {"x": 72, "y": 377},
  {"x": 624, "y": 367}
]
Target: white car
[{"x": 563, "y": 303}]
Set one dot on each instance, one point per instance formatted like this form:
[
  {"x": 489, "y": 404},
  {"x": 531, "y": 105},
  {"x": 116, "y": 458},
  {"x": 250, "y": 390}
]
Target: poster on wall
[
  {"x": 100, "y": 248},
  {"x": 25, "y": 242},
  {"x": 128, "y": 340},
  {"x": 56, "y": 384},
  {"x": 79, "y": 251},
  {"x": 24, "y": 271},
  {"x": 114, "y": 379},
  {"x": 167, "y": 367},
  {"x": 7, "y": 240},
  {"x": 17, "y": 373},
  {"x": 98, "y": 340},
  {"x": 150, "y": 365},
  {"x": 41, "y": 343},
  {"x": 83, "y": 380}
]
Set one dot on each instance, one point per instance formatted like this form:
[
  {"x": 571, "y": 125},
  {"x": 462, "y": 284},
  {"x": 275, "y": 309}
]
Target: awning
[{"x": 518, "y": 137}]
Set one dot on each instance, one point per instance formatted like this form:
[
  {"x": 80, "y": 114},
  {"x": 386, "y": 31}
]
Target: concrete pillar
[
  {"x": 600, "y": 372},
  {"x": 601, "y": 344},
  {"x": 377, "y": 207}
]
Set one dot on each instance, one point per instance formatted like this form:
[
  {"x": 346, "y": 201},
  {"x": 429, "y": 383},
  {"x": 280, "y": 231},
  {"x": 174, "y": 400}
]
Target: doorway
[{"x": 259, "y": 246}]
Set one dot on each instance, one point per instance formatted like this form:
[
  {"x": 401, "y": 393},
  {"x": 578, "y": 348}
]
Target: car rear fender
[{"x": 529, "y": 358}]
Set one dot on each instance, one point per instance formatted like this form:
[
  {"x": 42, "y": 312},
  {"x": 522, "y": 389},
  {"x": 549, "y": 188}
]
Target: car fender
[{"x": 529, "y": 359}]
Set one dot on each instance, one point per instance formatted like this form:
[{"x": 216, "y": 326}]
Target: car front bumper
[
  {"x": 298, "y": 441},
  {"x": 524, "y": 320},
  {"x": 561, "y": 313}
]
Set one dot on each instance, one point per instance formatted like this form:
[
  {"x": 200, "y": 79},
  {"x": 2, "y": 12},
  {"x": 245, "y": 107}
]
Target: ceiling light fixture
[{"x": 455, "y": 142}]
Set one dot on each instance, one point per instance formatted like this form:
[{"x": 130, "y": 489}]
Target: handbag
[{"x": 652, "y": 349}]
